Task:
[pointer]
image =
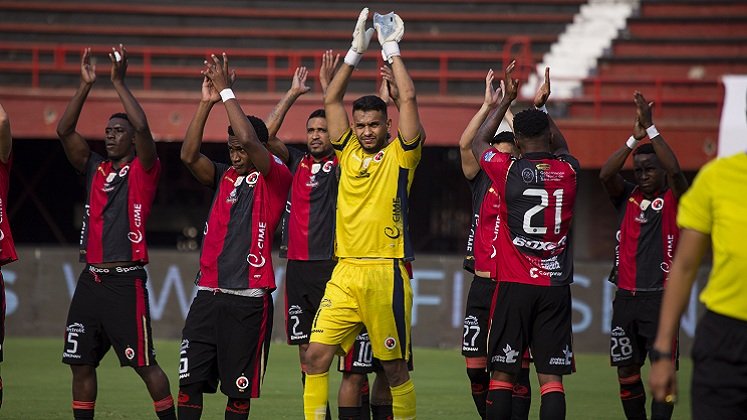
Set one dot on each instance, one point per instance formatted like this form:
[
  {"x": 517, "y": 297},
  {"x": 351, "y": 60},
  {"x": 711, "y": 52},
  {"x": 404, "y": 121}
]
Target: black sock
[
  {"x": 633, "y": 397},
  {"x": 165, "y": 408},
  {"x": 189, "y": 406},
  {"x": 479, "y": 380},
  {"x": 498, "y": 400},
  {"x": 661, "y": 411},
  {"x": 83, "y": 409},
  {"x": 382, "y": 412},
  {"x": 365, "y": 401},
  {"x": 521, "y": 398},
  {"x": 237, "y": 408},
  {"x": 552, "y": 406},
  {"x": 349, "y": 413}
]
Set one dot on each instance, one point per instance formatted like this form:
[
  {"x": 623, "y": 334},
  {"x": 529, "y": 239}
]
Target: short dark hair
[
  {"x": 317, "y": 113},
  {"x": 644, "y": 149},
  {"x": 121, "y": 115},
  {"x": 259, "y": 127},
  {"x": 503, "y": 137},
  {"x": 370, "y": 103},
  {"x": 531, "y": 123}
]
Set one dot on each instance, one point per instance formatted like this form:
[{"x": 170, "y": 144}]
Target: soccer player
[
  {"x": 110, "y": 304},
  {"x": 370, "y": 284},
  {"x": 7, "y": 246},
  {"x": 480, "y": 259},
  {"x": 711, "y": 213},
  {"x": 535, "y": 266},
  {"x": 226, "y": 335},
  {"x": 308, "y": 238},
  {"x": 647, "y": 237}
]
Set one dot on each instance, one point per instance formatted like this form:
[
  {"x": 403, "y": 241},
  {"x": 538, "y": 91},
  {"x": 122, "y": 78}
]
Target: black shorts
[
  {"x": 719, "y": 387},
  {"x": 226, "y": 338},
  {"x": 305, "y": 282},
  {"x": 359, "y": 359},
  {"x": 539, "y": 317},
  {"x": 110, "y": 309},
  {"x": 635, "y": 319},
  {"x": 2, "y": 316},
  {"x": 480, "y": 301}
]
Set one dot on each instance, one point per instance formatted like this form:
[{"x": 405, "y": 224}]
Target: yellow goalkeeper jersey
[{"x": 372, "y": 200}]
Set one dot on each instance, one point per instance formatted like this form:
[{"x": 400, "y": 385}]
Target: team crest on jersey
[
  {"x": 390, "y": 343},
  {"x": 242, "y": 383},
  {"x": 252, "y": 178},
  {"x": 129, "y": 353},
  {"x": 377, "y": 157},
  {"x": 657, "y": 204},
  {"x": 315, "y": 168},
  {"x": 327, "y": 166},
  {"x": 124, "y": 170},
  {"x": 527, "y": 175}
]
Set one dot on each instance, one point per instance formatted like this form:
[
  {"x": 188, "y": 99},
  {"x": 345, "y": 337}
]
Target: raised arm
[
  {"x": 559, "y": 144},
  {"x": 675, "y": 177},
  {"x": 144, "y": 144},
  {"x": 337, "y": 118},
  {"x": 276, "y": 117},
  {"x": 610, "y": 176},
  {"x": 470, "y": 165},
  {"x": 388, "y": 91},
  {"x": 488, "y": 128},
  {"x": 6, "y": 141},
  {"x": 218, "y": 73},
  {"x": 327, "y": 69},
  {"x": 201, "y": 166},
  {"x": 75, "y": 146}
]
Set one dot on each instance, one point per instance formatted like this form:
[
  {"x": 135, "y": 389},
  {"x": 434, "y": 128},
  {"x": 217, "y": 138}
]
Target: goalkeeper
[{"x": 370, "y": 284}]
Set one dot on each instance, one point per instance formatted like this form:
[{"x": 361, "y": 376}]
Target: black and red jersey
[
  {"x": 7, "y": 246},
  {"x": 481, "y": 251},
  {"x": 118, "y": 203},
  {"x": 246, "y": 209},
  {"x": 309, "y": 219},
  {"x": 537, "y": 193},
  {"x": 647, "y": 238}
]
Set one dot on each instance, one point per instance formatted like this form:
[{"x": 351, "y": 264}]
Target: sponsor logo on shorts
[
  {"x": 184, "y": 346},
  {"x": 242, "y": 383},
  {"x": 471, "y": 320},
  {"x": 390, "y": 343},
  {"x": 509, "y": 355},
  {"x": 295, "y": 310},
  {"x": 317, "y": 331},
  {"x": 617, "y": 332},
  {"x": 76, "y": 327},
  {"x": 129, "y": 353},
  {"x": 565, "y": 360},
  {"x": 362, "y": 337},
  {"x": 325, "y": 303}
]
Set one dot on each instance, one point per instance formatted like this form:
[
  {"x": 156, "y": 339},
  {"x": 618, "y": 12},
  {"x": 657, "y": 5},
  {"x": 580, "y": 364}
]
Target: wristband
[
  {"x": 389, "y": 50},
  {"x": 652, "y": 132},
  {"x": 227, "y": 94},
  {"x": 352, "y": 58},
  {"x": 632, "y": 142},
  {"x": 543, "y": 108}
]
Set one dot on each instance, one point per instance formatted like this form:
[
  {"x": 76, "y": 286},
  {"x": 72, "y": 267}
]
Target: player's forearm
[
  {"x": 338, "y": 85},
  {"x": 614, "y": 163},
  {"x": 69, "y": 119},
  {"x": 190, "y": 151},
  {"x": 405, "y": 85},
  {"x": 670, "y": 163},
  {"x": 465, "y": 142},
  {"x": 277, "y": 116},
  {"x": 558, "y": 139},
  {"x": 132, "y": 107}
]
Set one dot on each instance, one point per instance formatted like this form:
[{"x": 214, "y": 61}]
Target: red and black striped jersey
[
  {"x": 7, "y": 246},
  {"x": 537, "y": 193},
  {"x": 246, "y": 209},
  {"x": 308, "y": 223},
  {"x": 118, "y": 203},
  {"x": 647, "y": 238},
  {"x": 481, "y": 250}
]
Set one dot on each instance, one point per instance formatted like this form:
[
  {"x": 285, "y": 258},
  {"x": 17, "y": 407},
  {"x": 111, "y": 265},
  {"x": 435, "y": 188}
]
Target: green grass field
[{"x": 37, "y": 386}]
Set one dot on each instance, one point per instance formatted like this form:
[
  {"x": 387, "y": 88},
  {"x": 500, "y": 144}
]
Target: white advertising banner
[{"x": 732, "y": 135}]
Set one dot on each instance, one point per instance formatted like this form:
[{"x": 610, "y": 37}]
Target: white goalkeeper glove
[
  {"x": 361, "y": 39},
  {"x": 390, "y": 30}
]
